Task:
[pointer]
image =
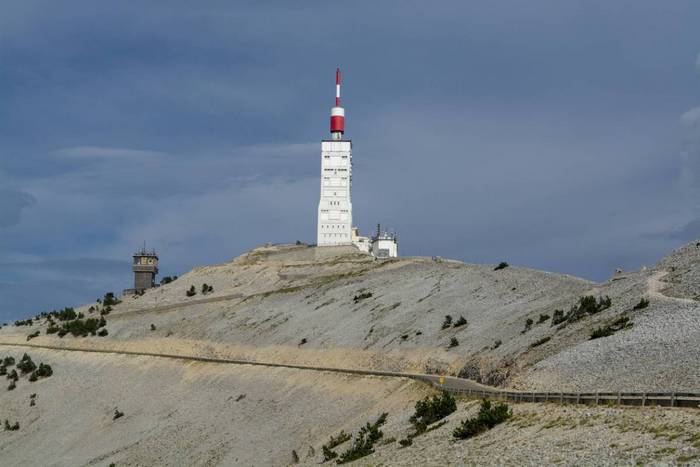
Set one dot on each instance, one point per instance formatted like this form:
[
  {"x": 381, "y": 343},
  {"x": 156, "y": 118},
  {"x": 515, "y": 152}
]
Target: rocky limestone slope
[{"x": 337, "y": 307}]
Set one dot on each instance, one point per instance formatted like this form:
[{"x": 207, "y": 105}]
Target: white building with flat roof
[{"x": 385, "y": 244}]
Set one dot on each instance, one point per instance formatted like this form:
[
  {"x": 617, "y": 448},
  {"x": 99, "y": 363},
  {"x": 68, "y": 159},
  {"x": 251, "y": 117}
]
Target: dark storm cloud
[{"x": 544, "y": 133}]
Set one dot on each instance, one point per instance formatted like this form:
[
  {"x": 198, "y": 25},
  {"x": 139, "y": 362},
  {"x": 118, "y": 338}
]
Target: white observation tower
[{"x": 335, "y": 206}]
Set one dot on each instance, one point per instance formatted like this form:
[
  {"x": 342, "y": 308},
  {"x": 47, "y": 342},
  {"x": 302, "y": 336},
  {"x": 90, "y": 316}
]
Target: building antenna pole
[{"x": 337, "y": 87}]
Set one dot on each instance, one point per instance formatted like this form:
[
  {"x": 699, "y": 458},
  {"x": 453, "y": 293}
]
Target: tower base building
[{"x": 335, "y": 206}]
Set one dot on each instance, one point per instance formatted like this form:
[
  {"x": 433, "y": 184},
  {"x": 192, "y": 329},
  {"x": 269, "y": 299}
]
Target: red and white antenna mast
[{"x": 337, "y": 112}]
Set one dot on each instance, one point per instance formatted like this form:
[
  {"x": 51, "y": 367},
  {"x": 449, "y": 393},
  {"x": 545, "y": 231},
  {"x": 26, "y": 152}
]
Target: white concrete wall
[
  {"x": 385, "y": 248},
  {"x": 335, "y": 205}
]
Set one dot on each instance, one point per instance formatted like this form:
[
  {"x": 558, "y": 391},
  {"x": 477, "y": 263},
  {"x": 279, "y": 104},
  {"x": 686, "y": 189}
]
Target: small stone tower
[{"x": 145, "y": 268}]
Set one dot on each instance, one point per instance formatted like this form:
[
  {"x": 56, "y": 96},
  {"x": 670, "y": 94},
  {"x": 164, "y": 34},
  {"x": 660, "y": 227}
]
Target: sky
[{"x": 553, "y": 134}]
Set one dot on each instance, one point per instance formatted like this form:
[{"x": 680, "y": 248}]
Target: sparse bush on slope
[
  {"x": 82, "y": 328},
  {"x": 328, "y": 453},
  {"x": 448, "y": 322},
  {"x": 558, "y": 317},
  {"x": 13, "y": 427},
  {"x": 26, "y": 365},
  {"x": 587, "y": 305},
  {"x": 361, "y": 296},
  {"x": 617, "y": 325},
  {"x": 488, "y": 417},
  {"x": 431, "y": 410},
  {"x": 44, "y": 371},
  {"x": 110, "y": 300},
  {"x": 167, "y": 280},
  {"x": 33, "y": 335},
  {"x": 539, "y": 342},
  {"x": 363, "y": 444}
]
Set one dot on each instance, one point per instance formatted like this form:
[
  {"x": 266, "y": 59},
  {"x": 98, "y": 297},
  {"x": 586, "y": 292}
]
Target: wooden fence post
[
  {"x": 578, "y": 398},
  {"x": 596, "y": 398},
  {"x": 644, "y": 399},
  {"x": 673, "y": 399},
  {"x": 619, "y": 398}
]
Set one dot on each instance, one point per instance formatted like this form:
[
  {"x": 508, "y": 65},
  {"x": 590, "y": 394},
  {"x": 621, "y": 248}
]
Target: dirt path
[
  {"x": 175, "y": 306},
  {"x": 655, "y": 287}
]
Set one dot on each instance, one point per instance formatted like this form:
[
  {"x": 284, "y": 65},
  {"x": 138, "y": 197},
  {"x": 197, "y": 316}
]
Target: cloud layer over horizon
[{"x": 563, "y": 136}]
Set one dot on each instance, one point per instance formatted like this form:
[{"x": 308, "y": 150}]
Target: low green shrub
[
  {"x": 528, "y": 326},
  {"x": 543, "y": 318},
  {"x": 587, "y": 305},
  {"x": 539, "y": 342},
  {"x": 643, "y": 303},
  {"x": 26, "y": 365},
  {"x": 191, "y": 292},
  {"x": 66, "y": 314},
  {"x": 406, "y": 442},
  {"x": 117, "y": 414},
  {"x": 328, "y": 452},
  {"x": 44, "y": 370},
  {"x": 496, "y": 344},
  {"x": 82, "y": 328},
  {"x": 501, "y": 265},
  {"x": 448, "y": 322},
  {"x": 460, "y": 322},
  {"x": 167, "y": 280},
  {"x": 361, "y": 296},
  {"x": 9, "y": 427},
  {"x": 363, "y": 444},
  {"x": 110, "y": 300},
  {"x": 609, "y": 330},
  {"x": 33, "y": 335},
  {"x": 103, "y": 332},
  {"x": 453, "y": 343},
  {"x": 431, "y": 410},
  {"x": 558, "y": 317},
  {"x": 488, "y": 417},
  {"x": 8, "y": 361}
]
